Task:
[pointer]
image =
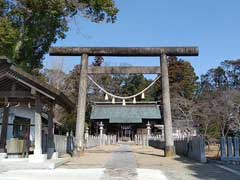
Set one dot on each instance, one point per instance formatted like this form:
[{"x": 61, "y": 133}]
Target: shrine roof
[
  {"x": 131, "y": 113},
  {"x": 10, "y": 72}
]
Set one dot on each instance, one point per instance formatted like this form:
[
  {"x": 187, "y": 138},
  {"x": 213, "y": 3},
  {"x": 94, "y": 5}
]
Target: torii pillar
[
  {"x": 81, "y": 107},
  {"x": 167, "y": 117}
]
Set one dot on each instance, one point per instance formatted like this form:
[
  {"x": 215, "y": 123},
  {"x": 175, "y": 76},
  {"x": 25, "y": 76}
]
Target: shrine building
[
  {"x": 26, "y": 112},
  {"x": 126, "y": 121}
]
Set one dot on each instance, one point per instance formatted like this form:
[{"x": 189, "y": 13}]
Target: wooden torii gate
[{"x": 161, "y": 52}]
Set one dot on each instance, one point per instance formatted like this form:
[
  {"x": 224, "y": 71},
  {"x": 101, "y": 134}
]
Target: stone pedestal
[
  {"x": 55, "y": 155},
  {"x": 3, "y": 155},
  {"x": 37, "y": 158},
  {"x": 50, "y": 153}
]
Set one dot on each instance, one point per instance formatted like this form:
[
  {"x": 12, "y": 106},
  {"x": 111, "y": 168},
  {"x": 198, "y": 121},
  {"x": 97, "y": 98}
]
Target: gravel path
[{"x": 122, "y": 165}]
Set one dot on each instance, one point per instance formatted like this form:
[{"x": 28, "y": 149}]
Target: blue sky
[{"x": 212, "y": 25}]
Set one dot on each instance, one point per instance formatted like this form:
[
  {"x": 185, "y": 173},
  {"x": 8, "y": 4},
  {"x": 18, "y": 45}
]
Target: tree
[
  {"x": 182, "y": 78},
  {"x": 29, "y": 27},
  {"x": 225, "y": 109},
  {"x": 218, "y": 100},
  {"x": 232, "y": 69},
  {"x": 226, "y": 76},
  {"x": 56, "y": 78},
  {"x": 204, "y": 117},
  {"x": 183, "y": 113}
]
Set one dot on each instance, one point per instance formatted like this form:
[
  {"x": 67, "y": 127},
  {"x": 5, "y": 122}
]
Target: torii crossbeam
[{"x": 161, "y": 52}]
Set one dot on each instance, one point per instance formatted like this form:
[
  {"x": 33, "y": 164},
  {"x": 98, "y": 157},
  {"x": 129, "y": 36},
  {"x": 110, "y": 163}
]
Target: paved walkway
[
  {"x": 121, "y": 166},
  {"x": 125, "y": 162}
]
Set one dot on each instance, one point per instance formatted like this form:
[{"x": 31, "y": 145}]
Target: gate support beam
[
  {"x": 169, "y": 144},
  {"x": 81, "y": 107},
  {"x": 124, "y": 70}
]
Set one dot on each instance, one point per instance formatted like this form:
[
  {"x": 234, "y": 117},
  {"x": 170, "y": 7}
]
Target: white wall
[{"x": 22, "y": 111}]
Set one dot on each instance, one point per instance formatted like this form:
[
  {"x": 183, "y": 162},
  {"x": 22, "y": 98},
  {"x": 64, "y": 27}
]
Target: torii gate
[{"x": 161, "y": 52}]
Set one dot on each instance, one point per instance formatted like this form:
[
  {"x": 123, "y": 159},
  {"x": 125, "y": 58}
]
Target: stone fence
[
  {"x": 191, "y": 147},
  {"x": 143, "y": 139},
  {"x": 92, "y": 141},
  {"x": 66, "y": 144},
  {"x": 60, "y": 142},
  {"x": 230, "y": 149}
]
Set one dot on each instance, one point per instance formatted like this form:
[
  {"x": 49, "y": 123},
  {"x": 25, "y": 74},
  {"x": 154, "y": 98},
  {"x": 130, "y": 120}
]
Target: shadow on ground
[
  {"x": 150, "y": 154},
  {"x": 207, "y": 171}
]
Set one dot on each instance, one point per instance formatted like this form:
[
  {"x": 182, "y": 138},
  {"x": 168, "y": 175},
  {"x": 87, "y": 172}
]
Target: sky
[{"x": 212, "y": 25}]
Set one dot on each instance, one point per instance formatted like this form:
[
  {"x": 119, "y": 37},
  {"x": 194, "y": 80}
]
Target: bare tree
[
  {"x": 183, "y": 111},
  {"x": 226, "y": 110}
]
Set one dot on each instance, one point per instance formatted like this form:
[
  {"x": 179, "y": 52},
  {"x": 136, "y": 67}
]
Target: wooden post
[
  {"x": 81, "y": 108},
  {"x": 38, "y": 156},
  {"x": 38, "y": 126},
  {"x": 169, "y": 144},
  {"x": 50, "y": 141},
  {"x": 4, "y": 129}
]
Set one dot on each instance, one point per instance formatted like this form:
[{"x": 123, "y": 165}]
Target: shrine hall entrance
[
  {"x": 125, "y": 121},
  {"x": 126, "y": 133}
]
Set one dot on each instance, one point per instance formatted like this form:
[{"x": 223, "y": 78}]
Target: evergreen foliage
[{"x": 29, "y": 27}]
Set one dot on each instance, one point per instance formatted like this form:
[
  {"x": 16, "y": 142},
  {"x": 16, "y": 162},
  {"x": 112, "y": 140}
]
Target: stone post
[
  {"x": 169, "y": 145},
  {"x": 4, "y": 129},
  {"x": 101, "y": 128},
  {"x": 230, "y": 148},
  {"x": 148, "y": 132},
  {"x": 81, "y": 107},
  {"x": 86, "y": 135},
  {"x": 236, "y": 148},
  {"x": 101, "y": 132},
  {"x": 223, "y": 149},
  {"x": 148, "y": 128},
  {"x": 161, "y": 136}
]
